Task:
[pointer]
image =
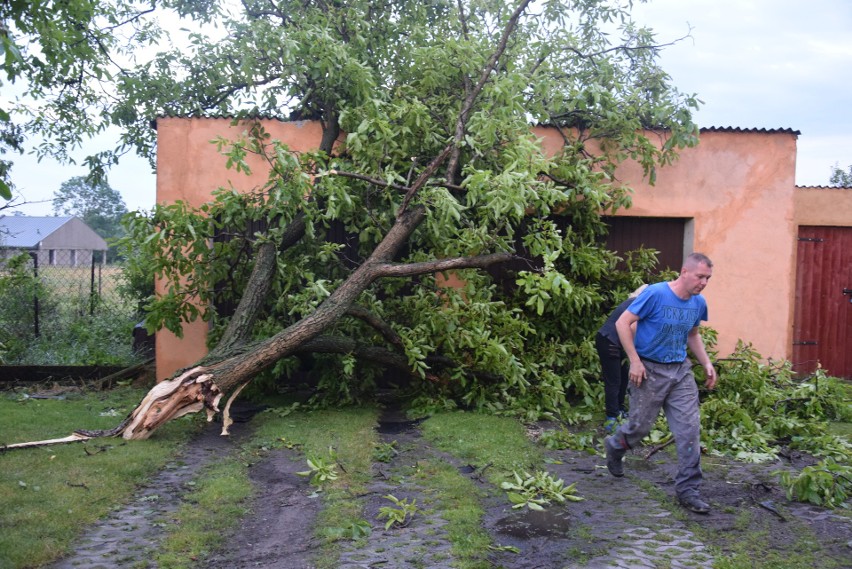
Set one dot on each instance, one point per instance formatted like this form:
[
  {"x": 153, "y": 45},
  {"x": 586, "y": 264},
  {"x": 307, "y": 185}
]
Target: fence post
[
  {"x": 34, "y": 255},
  {"x": 92, "y": 288}
]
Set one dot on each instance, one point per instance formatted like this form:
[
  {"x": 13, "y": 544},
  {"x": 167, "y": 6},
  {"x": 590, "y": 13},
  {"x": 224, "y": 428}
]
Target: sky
[{"x": 773, "y": 64}]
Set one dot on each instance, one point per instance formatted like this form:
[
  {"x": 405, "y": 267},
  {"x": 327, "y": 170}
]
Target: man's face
[{"x": 695, "y": 277}]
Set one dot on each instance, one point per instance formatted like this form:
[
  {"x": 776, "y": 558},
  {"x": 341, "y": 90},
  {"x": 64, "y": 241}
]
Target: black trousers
[{"x": 614, "y": 369}]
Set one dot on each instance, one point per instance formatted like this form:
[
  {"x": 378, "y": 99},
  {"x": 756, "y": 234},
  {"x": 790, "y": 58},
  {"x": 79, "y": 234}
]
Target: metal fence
[{"x": 65, "y": 300}]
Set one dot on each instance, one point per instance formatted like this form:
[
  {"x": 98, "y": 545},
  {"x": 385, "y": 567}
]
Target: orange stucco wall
[
  {"x": 824, "y": 206},
  {"x": 189, "y": 169},
  {"x": 737, "y": 188}
]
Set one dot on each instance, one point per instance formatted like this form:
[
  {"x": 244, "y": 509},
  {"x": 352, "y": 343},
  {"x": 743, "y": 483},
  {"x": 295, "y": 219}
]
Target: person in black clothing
[{"x": 614, "y": 367}]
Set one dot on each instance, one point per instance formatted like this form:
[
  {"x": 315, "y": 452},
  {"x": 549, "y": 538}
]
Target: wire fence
[{"x": 64, "y": 309}]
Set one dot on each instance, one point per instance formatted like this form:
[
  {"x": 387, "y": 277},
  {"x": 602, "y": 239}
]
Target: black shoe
[
  {"x": 694, "y": 503},
  {"x": 613, "y": 458}
]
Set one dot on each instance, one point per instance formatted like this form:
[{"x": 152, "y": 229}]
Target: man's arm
[
  {"x": 626, "y": 328},
  {"x": 696, "y": 346}
]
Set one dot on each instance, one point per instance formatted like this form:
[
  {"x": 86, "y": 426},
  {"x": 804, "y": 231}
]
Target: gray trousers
[{"x": 672, "y": 388}]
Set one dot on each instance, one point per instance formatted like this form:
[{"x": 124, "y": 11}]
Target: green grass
[
  {"x": 214, "y": 507},
  {"x": 499, "y": 442},
  {"x": 457, "y": 500},
  {"x": 50, "y": 494}
]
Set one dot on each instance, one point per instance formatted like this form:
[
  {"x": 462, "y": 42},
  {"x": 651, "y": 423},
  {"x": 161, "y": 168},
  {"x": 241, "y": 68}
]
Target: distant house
[{"x": 57, "y": 241}]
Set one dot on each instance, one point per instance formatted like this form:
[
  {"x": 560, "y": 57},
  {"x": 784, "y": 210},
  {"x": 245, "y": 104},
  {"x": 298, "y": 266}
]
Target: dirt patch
[{"x": 278, "y": 534}]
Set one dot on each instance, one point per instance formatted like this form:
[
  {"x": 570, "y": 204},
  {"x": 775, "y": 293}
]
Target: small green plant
[
  {"x": 321, "y": 470},
  {"x": 535, "y": 491},
  {"x": 502, "y": 548},
  {"x": 399, "y": 516},
  {"x": 384, "y": 452},
  {"x": 355, "y": 530},
  {"x": 826, "y": 484}
]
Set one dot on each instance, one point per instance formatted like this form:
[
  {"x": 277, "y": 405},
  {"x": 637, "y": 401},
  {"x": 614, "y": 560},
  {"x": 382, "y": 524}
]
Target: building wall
[
  {"x": 823, "y": 206},
  {"x": 189, "y": 169},
  {"x": 737, "y": 187}
]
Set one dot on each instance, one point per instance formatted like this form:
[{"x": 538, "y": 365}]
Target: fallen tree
[{"x": 438, "y": 174}]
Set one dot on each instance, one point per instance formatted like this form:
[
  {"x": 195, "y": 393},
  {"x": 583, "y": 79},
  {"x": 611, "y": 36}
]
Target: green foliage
[
  {"x": 64, "y": 57},
  {"x": 391, "y": 77},
  {"x": 400, "y": 514},
  {"x": 826, "y": 484},
  {"x": 355, "y": 530},
  {"x": 95, "y": 203},
  {"x": 74, "y": 328},
  {"x": 321, "y": 471},
  {"x": 840, "y": 177},
  {"x": 18, "y": 288},
  {"x": 385, "y": 452},
  {"x": 537, "y": 490},
  {"x": 757, "y": 407},
  {"x": 561, "y": 439}
]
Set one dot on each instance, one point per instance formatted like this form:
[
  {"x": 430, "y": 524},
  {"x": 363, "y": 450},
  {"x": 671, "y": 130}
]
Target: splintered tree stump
[{"x": 190, "y": 392}]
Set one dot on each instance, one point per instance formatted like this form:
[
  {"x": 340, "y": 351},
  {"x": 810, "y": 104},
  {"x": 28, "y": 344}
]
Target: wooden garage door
[{"x": 822, "y": 329}]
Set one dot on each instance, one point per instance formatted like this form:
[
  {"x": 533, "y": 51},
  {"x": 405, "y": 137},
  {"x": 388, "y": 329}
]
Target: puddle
[
  {"x": 394, "y": 427},
  {"x": 526, "y": 524}
]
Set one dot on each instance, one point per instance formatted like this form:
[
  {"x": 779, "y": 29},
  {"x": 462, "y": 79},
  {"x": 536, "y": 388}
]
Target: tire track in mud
[{"x": 423, "y": 543}]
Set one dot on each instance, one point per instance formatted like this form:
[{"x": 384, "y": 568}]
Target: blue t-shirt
[{"x": 664, "y": 322}]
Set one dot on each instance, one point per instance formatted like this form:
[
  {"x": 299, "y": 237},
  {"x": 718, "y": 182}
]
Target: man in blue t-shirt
[{"x": 667, "y": 316}]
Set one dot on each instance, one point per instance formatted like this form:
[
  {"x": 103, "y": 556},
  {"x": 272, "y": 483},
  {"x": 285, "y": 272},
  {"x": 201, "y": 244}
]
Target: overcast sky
[{"x": 755, "y": 64}]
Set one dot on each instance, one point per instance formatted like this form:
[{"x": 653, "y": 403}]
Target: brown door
[
  {"x": 665, "y": 234},
  {"x": 822, "y": 329}
]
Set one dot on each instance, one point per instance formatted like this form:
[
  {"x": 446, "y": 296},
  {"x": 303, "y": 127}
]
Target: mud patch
[
  {"x": 278, "y": 532},
  {"x": 526, "y": 524}
]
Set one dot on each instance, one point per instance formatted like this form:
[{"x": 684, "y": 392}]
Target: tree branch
[
  {"x": 464, "y": 114},
  {"x": 412, "y": 269},
  {"x": 371, "y": 319},
  {"x": 384, "y": 184}
]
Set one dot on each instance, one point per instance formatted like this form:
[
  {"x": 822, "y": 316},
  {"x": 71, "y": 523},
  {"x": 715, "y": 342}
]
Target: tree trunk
[{"x": 233, "y": 363}]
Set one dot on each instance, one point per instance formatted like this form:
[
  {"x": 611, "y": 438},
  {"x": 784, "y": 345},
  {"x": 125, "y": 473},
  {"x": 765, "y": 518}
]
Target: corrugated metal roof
[
  {"x": 740, "y": 129},
  {"x": 24, "y": 232},
  {"x": 271, "y": 116},
  {"x": 823, "y": 187}
]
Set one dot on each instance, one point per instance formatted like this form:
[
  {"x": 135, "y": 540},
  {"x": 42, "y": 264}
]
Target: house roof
[
  {"x": 741, "y": 129},
  {"x": 273, "y": 117},
  {"x": 25, "y": 232}
]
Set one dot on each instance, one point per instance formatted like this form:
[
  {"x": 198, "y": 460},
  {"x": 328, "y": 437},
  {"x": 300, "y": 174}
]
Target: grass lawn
[{"x": 50, "y": 494}]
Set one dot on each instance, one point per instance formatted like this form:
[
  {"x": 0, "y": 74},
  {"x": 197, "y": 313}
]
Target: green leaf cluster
[
  {"x": 759, "y": 407},
  {"x": 393, "y": 78},
  {"x": 321, "y": 470},
  {"x": 400, "y": 514},
  {"x": 826, "y": 484},
  {"x": 537, "y": 490}
]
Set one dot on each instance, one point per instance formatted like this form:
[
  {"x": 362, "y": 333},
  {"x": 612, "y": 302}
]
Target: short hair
[
  {"x": 697, "y": 259},
  {"x": 637, "y": 292}
]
